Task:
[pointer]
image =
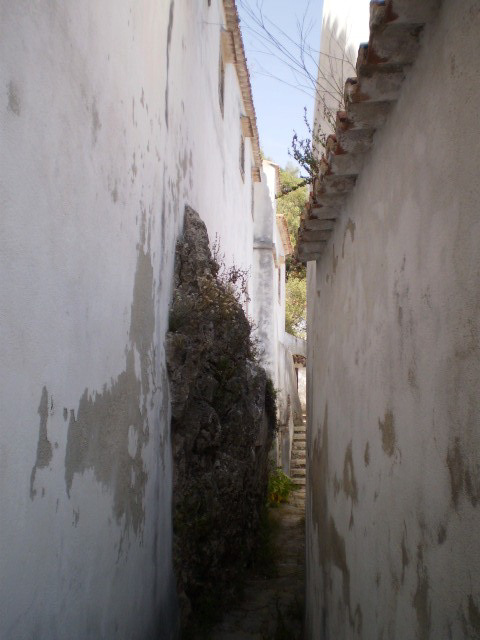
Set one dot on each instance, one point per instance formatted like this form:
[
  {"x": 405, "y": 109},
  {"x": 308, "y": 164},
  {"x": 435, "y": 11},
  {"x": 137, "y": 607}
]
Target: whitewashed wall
[
  {"x": 269, "y": 313},
  {"x": 263, "y": 299},
  {"x": 109, "y": 124},
  {"x": 393, "y": 367},
  {"x": 344, "y": 27}
]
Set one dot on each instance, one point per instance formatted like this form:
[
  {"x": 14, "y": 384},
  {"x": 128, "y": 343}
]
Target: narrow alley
[
  {"x": 239, "y": 320},
  {"x": 273, "y": 608}
]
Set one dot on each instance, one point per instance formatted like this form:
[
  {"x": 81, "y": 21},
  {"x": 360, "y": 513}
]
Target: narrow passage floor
[{"x": 273, "y": 608}]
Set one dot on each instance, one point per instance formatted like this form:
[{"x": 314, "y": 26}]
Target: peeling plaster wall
[
  {"x": 393, "y": 367},
  {"x": 110, "y": 123}
]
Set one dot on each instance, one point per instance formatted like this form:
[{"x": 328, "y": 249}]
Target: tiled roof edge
[
  {"x": 382, "y": 65},
  {"x": 233, "y": 25}
]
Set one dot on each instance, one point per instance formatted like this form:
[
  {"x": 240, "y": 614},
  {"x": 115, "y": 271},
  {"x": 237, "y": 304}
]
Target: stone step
[
  {"x": 298, "y": 455},
  {"x": 297, "y": 466},
  {"x": 301, "y": 481},
  {"x": 299, "y": 437},
  {"x": 298, "y": 462},
  {"x": 299, "y": 451},
  {"x": 298, "y": 473}
]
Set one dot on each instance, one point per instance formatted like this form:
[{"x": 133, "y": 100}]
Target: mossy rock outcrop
[{"x": 222, "y": 429}]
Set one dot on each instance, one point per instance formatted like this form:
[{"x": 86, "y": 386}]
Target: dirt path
[{"x": 272, "y": 608}]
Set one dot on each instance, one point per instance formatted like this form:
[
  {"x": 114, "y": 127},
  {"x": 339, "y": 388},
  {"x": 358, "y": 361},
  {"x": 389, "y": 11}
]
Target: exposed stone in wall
[{"x": 221, "y": 429}]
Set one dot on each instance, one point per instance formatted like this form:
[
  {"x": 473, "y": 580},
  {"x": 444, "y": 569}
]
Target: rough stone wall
[
  {"x": 221, "y": 430},
  {"x": 393, "y": 367},
  {"x": 109, "y": 121}
]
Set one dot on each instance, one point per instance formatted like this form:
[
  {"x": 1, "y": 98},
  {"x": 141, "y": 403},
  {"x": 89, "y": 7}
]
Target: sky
[{"x": 278, "y": 106}]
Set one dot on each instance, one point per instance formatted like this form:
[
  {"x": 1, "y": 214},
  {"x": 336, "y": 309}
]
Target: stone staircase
[{"x": 298, "y": 462}]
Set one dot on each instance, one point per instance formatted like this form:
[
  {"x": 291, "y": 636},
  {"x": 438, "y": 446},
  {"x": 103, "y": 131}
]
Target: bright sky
[{"x": 279, "y": 107}]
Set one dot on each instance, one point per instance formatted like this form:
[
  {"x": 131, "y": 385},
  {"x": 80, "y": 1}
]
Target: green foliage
[
  {"x": 296, "y": 306},
  {"x": 292, "y": 202},
  {"x": 279, "y": 487},
  {"x": 307, "y": 151},
  {"x": 291, "y": 205}
]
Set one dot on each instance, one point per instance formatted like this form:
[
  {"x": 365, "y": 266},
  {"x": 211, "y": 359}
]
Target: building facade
[
  {"x": 393, "y": 352},
  {"x": 272, "y": 246},
  {"x": 115, "y": 115}
]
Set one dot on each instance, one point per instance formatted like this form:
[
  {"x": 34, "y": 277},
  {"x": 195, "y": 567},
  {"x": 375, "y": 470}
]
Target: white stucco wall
[
  {"x": 263, "y": 302},
  {"x": 345, "y": 25},
  {"x": 269, "y": 312},
  {"x": 393, "y": 367},
  {"x": 109, "y": 124}
]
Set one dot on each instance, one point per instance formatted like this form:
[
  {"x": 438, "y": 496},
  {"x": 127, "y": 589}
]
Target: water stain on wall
[
  {"x": 387, "y": 427},
  {"x": 44, "y": 447},
  {"x": 336, "y": 555},
  {"x": 318, "y": 481},
  {"x": 358, "y": 621},
  {"x": 350, "y": 227},
  {"x": 334, "y": 260},
  {"x": 318, "y": 484},
  {"x": 13, "y": 98},
  {"x": 470, "y": 620},
  {"x": 111, "y": 429},
  {"x": 420, "y": 599},
  {"x": 366, "y": 455},
  {"x": 405, "y": 558},
  {"x": 134, "y": 168},
  {"x": 349, "y": 481},
  {"x": 331, "y": 544},
  {"x": 473, "y": 616},
  {"x": 114, "y": 193},
  {"x": 96, "y": 124},
  {"x": 412, "y": 375},
  {"x": 463, "y": 479},
  {"x": 442, "y": 534}
]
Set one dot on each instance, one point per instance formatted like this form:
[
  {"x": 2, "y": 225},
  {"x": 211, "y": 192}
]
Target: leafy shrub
[
  {"x": 296, "y": 306},
  {"x": 279, "y": 487}
]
